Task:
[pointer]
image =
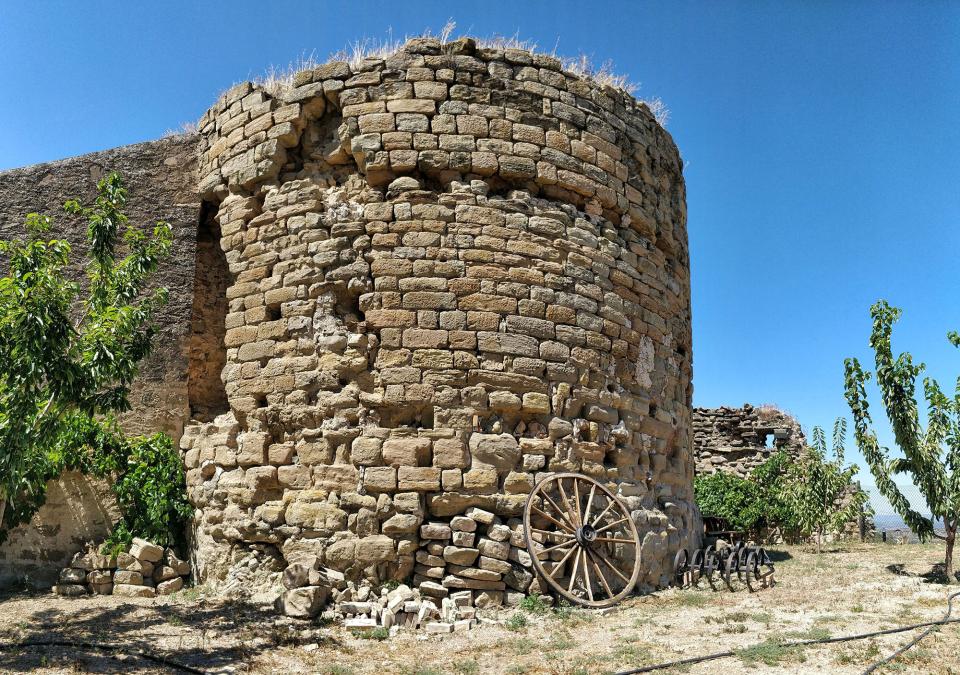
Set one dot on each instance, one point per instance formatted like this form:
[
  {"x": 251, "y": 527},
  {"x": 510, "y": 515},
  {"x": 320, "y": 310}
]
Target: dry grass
[
  {"x": 278, "y": 79},
  {"x": 843, "y": 591}
]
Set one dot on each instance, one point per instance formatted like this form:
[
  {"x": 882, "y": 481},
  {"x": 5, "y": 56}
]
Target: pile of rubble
[
  {"x": 474, "y": 561},
  {"x": 146, "y": 571}
]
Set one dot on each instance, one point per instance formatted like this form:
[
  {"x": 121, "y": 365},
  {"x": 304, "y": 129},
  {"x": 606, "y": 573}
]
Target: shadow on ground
[
  {"x": 936, "y": 575},
  {"x": 212, "y": 636}
]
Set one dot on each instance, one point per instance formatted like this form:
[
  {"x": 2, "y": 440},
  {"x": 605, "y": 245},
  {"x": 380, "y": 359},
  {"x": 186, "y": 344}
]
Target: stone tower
[{"x": 446, "y": 272}]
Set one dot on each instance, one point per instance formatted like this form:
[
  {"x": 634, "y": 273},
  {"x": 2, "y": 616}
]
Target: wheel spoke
[
  {"x": 586, "y": 512},
  {"x": 603, "y": 513},
  {"x": 566, "y": 500},
  {"x": 606, "y": 562},
  {"x": 576, "y": 502},
  {"x": 570, "y": 527},
  {"x": 560, "y": 545},
  {"x": 552, "y": 533},
  {"x": 613, "y": 524},
  {"x": 559, "y": 565},
  {"x": 586, "y": 576},
  {"x": 576, "y": 566},
  {"x": 614, "y": 540},
  {"x": 603, "y": 579},
  {"x": 551, "y": 519}
]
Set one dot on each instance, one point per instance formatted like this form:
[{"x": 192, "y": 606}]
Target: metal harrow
[{"x": 749, "y": 565}]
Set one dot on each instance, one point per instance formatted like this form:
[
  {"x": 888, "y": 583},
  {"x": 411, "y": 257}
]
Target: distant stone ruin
[
  {"x": 736, "y": 440},
  {"x": 405, "y": 288}
]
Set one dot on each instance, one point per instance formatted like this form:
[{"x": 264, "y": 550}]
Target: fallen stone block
[
  {"x": 360, "y": 623},
  {"x": 141, "y": 549},
  {"x": 440, "y": 627},
  {"x": 133, "y": 591},
  {"x": 69, "y": 590},
  {"x": 170, "y": 586},
  {"x": 302, "y": 603},
  {"x": 433, "y": 589}
]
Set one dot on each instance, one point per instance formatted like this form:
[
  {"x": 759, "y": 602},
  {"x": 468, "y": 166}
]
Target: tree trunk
[
  {"x": 951, "y": 539},
  {"x": 3, "y": 507},
  {"x": 819, "y": 541}
]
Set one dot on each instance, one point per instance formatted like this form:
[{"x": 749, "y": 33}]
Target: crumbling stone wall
[
  {"x": 161, "y": 180},
  {"x": 737, "y": 440},
  {"x": 451, "y": 270}
]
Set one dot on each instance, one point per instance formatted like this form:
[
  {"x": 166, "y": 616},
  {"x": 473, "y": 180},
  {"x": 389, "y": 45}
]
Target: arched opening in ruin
[{"x": 207, "y": 353}]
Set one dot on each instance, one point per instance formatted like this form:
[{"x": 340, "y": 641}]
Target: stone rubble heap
[
  {"x": 146, "y": 571},
  {"x": 473, "y": 561}
]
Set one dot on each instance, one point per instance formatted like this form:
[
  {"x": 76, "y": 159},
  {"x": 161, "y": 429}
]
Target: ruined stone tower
[{"x": 421, "y": 282}]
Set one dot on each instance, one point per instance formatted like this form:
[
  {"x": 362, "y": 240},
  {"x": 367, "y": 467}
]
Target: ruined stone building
[
  {"x": 401, "y": 288},
  {"x": 737, "y": 440}
]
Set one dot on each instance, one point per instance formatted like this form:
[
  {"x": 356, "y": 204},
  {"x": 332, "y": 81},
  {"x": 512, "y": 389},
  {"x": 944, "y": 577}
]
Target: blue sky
[{"x": 820, "y": 140}]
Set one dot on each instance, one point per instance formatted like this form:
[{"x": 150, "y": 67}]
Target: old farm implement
[{"x": 733, "y": 565}]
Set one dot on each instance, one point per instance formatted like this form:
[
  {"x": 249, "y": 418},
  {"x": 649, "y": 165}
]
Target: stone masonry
[
  {"x": 453, "y": 270},
  {"x": 737, "y": 440},
  {"x": 406, "y": 289}
]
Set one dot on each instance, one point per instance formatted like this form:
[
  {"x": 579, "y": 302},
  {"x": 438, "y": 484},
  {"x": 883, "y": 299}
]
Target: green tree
[
  {"x": 748, "y": 504},
  {"x": 820, "y": 490},
  {"x": 68, "y": 358},
  {"x": 931, "y": 456}
]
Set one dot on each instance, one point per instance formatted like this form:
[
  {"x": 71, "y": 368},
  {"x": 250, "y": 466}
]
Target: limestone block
[
  {"x": 408, "y": 452},
  {"x": 380, "y": 478},
  {"x": 418, "y": 478},
  {"x": 69, "y": 590},
  {"x": 302, "y": 603},
  {"x": 127, "y": 577},
  {"x": 170, "y": 586},
  {"x": 375, "y": 549},
  {"x": 460, "y": 556},
  {"x": 499, "y": 451},
  {"x": 365, "y": 451},
  {"x": 134, "y": 591},
  {"x": 141, "y": 549},
  {"x": 435, "y": 531},
  {"x": 450, "y": 453},
  {"x": 318, "y": 516},
  {"x": 400, "y": 523}
]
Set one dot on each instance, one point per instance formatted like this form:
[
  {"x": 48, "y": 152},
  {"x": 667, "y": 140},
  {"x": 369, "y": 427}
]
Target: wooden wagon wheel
[{"x": 582, "y": 540}]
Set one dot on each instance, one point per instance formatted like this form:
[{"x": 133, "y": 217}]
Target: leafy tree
[
  {"x": 931, "y": 456},
  {"x": 747, "y": 504},
  {"x": 818, "y": 489},
  {"x": 68, "y": 359}
]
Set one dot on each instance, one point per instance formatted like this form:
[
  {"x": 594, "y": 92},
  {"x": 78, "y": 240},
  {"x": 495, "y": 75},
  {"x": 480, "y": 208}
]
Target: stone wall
[
  {"x": 736, "y": 440},
  {"x": 160, "y": 176},
  {"x": 451, "y": 270}
]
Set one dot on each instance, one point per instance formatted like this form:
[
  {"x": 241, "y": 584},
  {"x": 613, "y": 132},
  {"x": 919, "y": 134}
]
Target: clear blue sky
[{"x": 821, "y": 141}]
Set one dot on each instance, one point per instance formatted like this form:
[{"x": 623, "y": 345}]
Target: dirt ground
[{"x": 851, "y": 589}]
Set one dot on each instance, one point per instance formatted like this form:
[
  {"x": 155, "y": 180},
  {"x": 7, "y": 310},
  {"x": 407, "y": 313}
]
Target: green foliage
[
  {"x": 734, "y": 499},
  {"x": 818, "y": 489},
  {"x": 518, "y": 621},
  {"x": 748, "y": 504},
  {"x": 69, "y": 360},
  {"x": 931, "y": 456},
  {"x": 534, "y": 604}
]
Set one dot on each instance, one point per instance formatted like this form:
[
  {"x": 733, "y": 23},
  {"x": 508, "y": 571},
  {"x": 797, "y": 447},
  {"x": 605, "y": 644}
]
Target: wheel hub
[{"x": 586, "y": 535}]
